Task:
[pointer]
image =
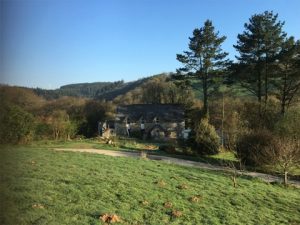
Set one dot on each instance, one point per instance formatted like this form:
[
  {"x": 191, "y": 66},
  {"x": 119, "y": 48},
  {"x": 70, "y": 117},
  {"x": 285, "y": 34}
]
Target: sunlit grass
[
  {"x": 41, "y": 186},
  {"x": 97, "y": 143},
  {"x": 123, "y": 144}
]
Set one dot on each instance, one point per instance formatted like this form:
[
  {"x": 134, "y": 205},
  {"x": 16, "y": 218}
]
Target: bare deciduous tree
[
  {"x": 287, "y": 155},
  {"x": 284, "y": 153}
]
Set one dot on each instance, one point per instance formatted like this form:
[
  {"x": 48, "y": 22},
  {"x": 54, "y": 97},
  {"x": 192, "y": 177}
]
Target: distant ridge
[
  {"x": 82, "y": 85},
  {"x": 96, "y": 90},
  {"x": 87, "y": 90},
  {"x": 122, "y": 90}
]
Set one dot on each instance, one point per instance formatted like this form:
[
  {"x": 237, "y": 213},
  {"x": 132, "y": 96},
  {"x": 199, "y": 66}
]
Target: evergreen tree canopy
[
  {"x": 259, "y": 46},
  {"x": 262, "y": 38},
  {"x": 205, "y": 58},
  {"x": 288, "y": 73}
]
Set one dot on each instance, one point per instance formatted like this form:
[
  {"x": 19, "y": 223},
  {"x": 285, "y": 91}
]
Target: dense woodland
[{"x": 249, "y": 106}]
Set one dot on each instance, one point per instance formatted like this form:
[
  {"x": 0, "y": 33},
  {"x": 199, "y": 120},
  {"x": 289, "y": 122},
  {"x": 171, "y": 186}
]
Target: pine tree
[
  {"x": 258, "y": 47},
  {"x": 288, "y": 72},
  {"x": 205, "y": 59}
]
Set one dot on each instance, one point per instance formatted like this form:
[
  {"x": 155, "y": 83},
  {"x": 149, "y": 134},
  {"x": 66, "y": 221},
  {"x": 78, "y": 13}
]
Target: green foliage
[
  {"x": 287, "y": 80},
  {"x": 206, "y": 139},
  {"x": 253, "y": 119},
  {"x": 289, "y": 125},
  {"x": 205, "y": 59},
  {"x": 94, "y": 112},
  {"x": 163, "y": 90},
  {"x": 60, "y": 124},
  {"x": 43, "y": 131},
  {"x": 262, "y": 38},
  {"x": 225, "y": 113},
  {"x": 158, "y": 89},
  {"x": 16, "y": 125},
  {"x": 258, "y": 47}
]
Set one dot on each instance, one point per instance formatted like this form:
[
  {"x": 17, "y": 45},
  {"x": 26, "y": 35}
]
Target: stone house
[{"x": 160, "y": 121}]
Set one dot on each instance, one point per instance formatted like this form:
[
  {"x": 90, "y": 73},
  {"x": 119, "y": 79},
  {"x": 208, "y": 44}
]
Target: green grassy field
[
  {"x": 135, "y": 145},
  {"x": 41, "y": 186},
  {"x": 96, "y": 143}
]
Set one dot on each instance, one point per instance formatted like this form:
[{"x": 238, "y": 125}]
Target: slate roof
[{"x": 148, "y": 112}]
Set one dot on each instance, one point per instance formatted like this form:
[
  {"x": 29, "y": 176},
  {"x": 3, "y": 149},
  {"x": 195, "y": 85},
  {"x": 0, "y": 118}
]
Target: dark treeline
[{"x": 87, "y": 90}]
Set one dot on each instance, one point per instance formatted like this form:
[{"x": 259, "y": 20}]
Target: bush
[
  {"x": 252, "y": 148},
  {"x": 185, "y": 146},
  {"x": 43, "y": 131},
  {"x": 288, "y": 125},
  {"x": 264, "y": 120},
  {"x": 16, "y": 125},
  {"x": 205, "y": 138}
]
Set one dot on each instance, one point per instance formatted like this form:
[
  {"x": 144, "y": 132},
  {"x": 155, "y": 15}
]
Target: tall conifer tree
[
  {"x": 288, "y": 73},
  {"x": 205, "y": 59},
  {"x": 259, "y": 46}
]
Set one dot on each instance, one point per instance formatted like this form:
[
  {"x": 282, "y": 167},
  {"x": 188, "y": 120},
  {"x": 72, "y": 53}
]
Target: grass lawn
[
  {"x": 41, "y": 186},
  {"x": 96, "y": 143},
  {"x": 133, "y": 145}
]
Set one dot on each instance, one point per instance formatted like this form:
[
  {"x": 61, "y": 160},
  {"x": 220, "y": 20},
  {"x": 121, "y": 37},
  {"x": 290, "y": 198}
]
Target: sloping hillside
[
  {"x": 88, "y": 90},
  {"x": 110, "y": 90},
  {"x": 122, "y": 90},
  {"x": 97, "y": 90},
  {"x": 48, "y": 187}
]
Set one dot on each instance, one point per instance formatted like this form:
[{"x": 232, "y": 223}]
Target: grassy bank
[{"x": 40, "y": 186}]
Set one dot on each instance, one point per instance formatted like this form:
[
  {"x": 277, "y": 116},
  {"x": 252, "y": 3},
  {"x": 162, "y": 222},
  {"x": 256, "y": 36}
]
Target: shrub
[
  {"x": 265, "y": 120},
  {"x": 16, "y": 125},
  {"x": 43, "y": 131},
  {"x": 185, "y": 146},
  {"x": 252, "y": 148},
  {"x": 288, "y": 125},
  {"x": 205, "y": 138}
]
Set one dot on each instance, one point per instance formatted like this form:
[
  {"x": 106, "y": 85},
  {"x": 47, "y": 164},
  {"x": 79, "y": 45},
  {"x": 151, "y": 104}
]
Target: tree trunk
[
  {"x": 205, "y": 95},
  {"x": 223, "y": 117},
  {"x": 285, "y": 177},
  {"x": 234, "y": 181},
  {"x": 266, "y": 85},
  {"x": 283, "y": 97},
  {"x": 259, "y": 89},
  {"x": 283, "y": 103}
]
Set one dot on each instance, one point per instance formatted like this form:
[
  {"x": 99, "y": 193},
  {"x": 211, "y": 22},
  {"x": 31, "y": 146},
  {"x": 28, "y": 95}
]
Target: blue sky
[{"x": 49, "y": 43}]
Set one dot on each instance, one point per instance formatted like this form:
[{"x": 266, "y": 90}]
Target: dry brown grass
[
  {"x": 168, "y": 205},
  {"x": 176, "y": 213},
  {"x": 110, "y": 218},
  {"x": 195, "y": 198},
  {"x": 145, "y": 203},
  {"x": 161, "y": 183},
  {"x": 38, "y": 206},
  {"x": 183, "y": 186}
]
